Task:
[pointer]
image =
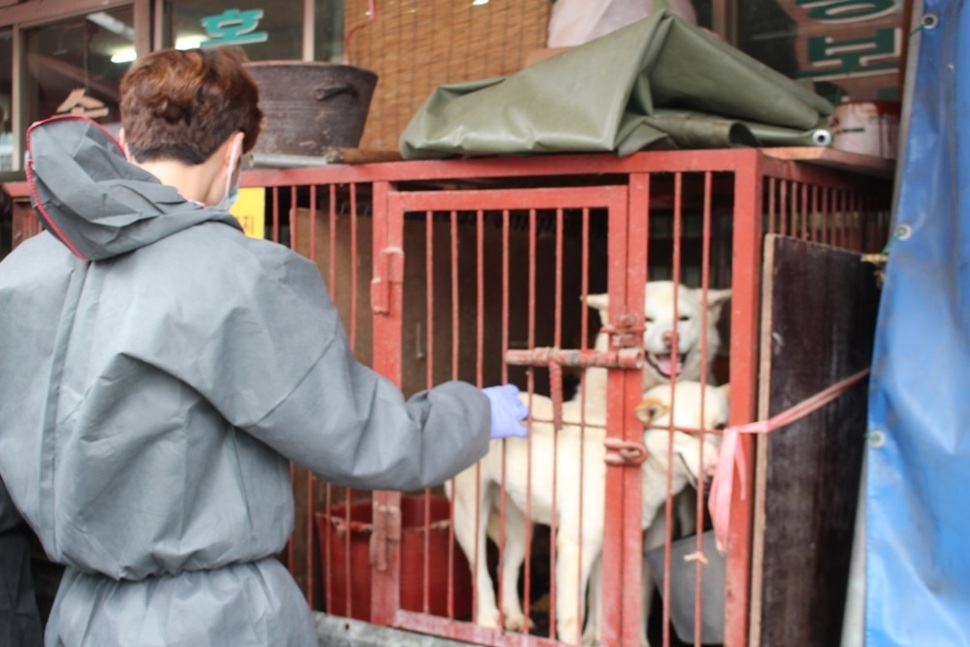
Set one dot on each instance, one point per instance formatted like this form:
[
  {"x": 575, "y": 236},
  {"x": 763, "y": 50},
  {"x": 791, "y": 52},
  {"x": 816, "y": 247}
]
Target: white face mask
[{"x": 232, "y": 188}]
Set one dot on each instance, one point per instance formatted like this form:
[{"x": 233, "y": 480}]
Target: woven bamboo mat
[{"x": 416, "y": 45}]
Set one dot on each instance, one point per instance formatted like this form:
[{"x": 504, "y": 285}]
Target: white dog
[
  {"x": 579, "y": 538},
  {"x": 693, "y": 460},
  {"x": 661, "y": 324},
  {"x": 693, "y": 322}
]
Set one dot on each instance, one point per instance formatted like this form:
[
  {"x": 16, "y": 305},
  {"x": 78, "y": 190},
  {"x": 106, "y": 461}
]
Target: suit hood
[{"x": 93, "y": 200}]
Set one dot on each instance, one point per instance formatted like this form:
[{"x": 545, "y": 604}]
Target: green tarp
[{"x": 660, "y": 83}]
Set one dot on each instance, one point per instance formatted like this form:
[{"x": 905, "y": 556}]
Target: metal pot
[{"x": 311, "y": 106}]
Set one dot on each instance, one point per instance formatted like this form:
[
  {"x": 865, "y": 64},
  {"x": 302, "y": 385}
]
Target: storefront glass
[
  {"x": 264, "y": 30},
  {"x": 73, "y": 65},
  {"x": 328, "y": 30}
]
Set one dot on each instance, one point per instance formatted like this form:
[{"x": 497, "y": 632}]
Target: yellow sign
[{"x": 250, "y": 210}]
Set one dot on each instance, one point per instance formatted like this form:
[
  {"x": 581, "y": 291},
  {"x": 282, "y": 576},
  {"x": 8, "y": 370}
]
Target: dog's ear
[
  {"x": 715, "y": 300},
  {"x": 602, "y": 303},
  {"x": 650, "y": 409}
]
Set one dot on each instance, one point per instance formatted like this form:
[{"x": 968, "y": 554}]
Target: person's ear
[
  {"x": 234, "y": 149},
  {"x": 124, "y": 144}
]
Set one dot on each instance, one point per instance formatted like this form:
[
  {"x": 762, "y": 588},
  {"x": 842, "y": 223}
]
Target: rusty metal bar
[
  {"x": 332, "y": 222},
  {"x": 669, "y": 504},
  {"x": 706, "y": 227},
  {"x": 506, "y": 284},
  {"x": 745, "y": 316},
  {"x": 627, "y": 279},
  {"x": 327, "y": 550},
  {"x": 354, "y": 271},
  {"x": 527, "y": 567},
  {"x": 628, "y": 358},
  {"x": 584, "y": 335},
  {"x": 388, "y": 233}
]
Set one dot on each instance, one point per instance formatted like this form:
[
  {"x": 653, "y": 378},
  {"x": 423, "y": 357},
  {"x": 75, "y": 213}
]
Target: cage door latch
[
  {"x": 388, "y": 271},
  {"x": 624, "y": 452},
  {"x": 387, "y": 529}
]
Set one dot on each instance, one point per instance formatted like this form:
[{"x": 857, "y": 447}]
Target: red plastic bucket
[{"x": 345, "y": 546}]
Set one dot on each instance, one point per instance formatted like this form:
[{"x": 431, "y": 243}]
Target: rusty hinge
[
  {"x": 624, "y": 452},
  {"x": 388, "y": 270},
  {"x": 387, "y": 529}
]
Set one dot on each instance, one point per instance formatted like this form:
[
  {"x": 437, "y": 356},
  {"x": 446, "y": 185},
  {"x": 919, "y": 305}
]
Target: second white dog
[{"x": 528, "y": 475}]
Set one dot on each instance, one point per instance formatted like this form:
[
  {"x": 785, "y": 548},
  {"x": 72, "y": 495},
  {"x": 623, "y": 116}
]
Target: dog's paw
[
  {"x": 488, "y": 619},
  {"x": 517, "y": 622}
]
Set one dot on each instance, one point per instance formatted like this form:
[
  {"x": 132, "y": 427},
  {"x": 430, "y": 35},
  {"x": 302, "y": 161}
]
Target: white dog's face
[
  {"x": 673, "y": 337},
  {"x": 681, "y": 406}
]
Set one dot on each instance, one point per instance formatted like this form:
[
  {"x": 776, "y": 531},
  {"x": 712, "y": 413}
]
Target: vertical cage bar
[
  {"x": 531, "y": 334},
  {"x": 311, "y": 479},
  {"x": 506, "y": 285},
  {"x": 332, "y": 221},
  {"x": 388, "y": 236},
  {"x": 678, "y": 232},
  {"x": 354, "y": 272},
  {"x": 745, "y": 315},
  {"x": 706, "y": 227},
  {"x": 584, "y": 335}
]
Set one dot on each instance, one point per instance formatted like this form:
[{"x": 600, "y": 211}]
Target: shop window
[
  {"x": 328, "y": 30},
  {"x": 70, "y": 66},
  {"x": 264, "y": 30}
]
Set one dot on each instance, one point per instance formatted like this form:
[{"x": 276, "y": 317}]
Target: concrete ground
[{"x": 334, "y": 631}]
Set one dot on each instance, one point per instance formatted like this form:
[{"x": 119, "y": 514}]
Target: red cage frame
[{"x": 766, "y": 194}]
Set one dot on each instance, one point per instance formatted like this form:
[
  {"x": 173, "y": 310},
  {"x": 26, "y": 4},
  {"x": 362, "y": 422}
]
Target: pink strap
[{"x": 731, "y": 454}]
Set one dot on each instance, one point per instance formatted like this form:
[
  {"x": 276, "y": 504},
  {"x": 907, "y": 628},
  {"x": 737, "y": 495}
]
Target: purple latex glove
[{"x": 507, "y": 411}]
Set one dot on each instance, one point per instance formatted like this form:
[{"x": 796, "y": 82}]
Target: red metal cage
[{"x": 474, "y": 270}]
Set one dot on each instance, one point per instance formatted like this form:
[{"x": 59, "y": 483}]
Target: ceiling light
[
  {"x": 125, "y": 55},
  {"x": 189, "y": 41}
]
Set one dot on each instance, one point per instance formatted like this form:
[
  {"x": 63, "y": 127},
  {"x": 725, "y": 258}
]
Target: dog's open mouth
[{"x": 666, "y": 363}]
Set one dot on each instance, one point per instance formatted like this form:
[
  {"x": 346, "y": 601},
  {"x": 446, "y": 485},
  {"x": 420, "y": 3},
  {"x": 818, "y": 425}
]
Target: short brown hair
[{"x": 183, "y": 104}]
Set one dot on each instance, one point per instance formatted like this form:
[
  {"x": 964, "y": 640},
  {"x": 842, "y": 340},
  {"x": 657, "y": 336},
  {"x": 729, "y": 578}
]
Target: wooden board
[
  {"x": 818, "y": 324},
  {"x": 835, "y": 158}
]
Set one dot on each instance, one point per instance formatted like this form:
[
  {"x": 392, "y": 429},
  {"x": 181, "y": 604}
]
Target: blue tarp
[{"x": 918, "y": 499}]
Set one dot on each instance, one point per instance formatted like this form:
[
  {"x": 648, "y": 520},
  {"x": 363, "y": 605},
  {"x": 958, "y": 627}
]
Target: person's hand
[{"x": 508, "y": 411}]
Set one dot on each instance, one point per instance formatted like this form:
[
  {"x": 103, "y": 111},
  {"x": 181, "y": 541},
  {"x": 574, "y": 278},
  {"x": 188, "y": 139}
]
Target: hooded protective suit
[
  {"x": 19, "y": 617},
  {"x": 157, "y": 370}
]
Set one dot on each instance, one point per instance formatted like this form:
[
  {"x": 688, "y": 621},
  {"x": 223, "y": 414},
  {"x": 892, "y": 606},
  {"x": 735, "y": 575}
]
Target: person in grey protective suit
[
  {"x": 19, "y": 618},
  {"x": 158, "y": 370}
]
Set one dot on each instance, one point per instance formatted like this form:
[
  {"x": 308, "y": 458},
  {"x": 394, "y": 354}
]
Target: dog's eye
[
  {"x": 684, "y": 318},
  {"x": 720, "y": 426},
  {"x": 650, "y": 319}
]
